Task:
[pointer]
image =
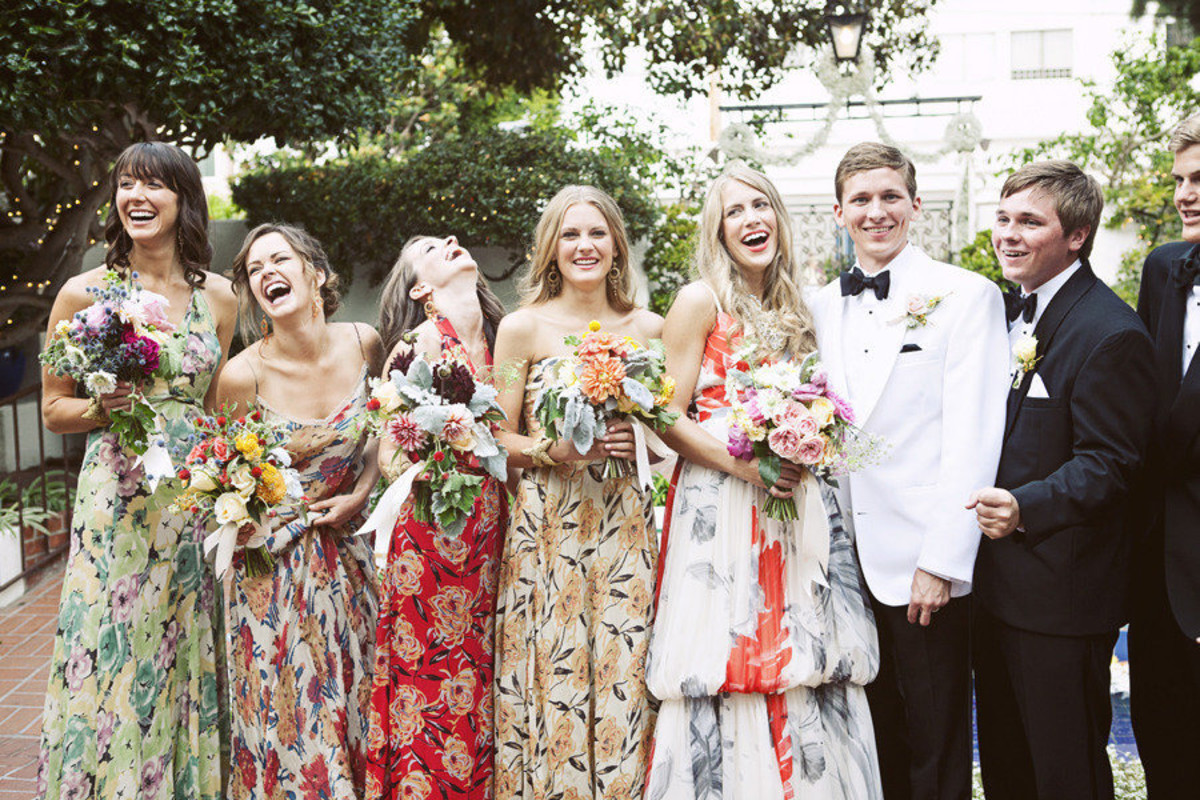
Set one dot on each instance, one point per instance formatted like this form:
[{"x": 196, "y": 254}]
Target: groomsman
[
  {"x": 919, "y": 349},
  {"x": 1164, "y": 634},
  {"x": 1051, "y": 581}
]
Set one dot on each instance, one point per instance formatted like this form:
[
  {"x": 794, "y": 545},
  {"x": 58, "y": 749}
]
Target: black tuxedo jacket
[
  {"x": 1172, "y": 485},
  {"x": 1069, "y": 459}
]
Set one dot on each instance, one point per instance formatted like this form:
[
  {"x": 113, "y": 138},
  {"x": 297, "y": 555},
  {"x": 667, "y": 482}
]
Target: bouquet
[
  {"x": 782, "y": 410},
  {"x": 441, "y": 418},
  {"x": 607, "y": 378},
  {"x": 239, "y": 471},
  {"x": 122, "y": 336}
]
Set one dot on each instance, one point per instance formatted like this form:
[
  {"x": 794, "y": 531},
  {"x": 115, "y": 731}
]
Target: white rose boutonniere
[
  {"x": 1026, "y": 356},
  {"x": 918, "y": 307}
]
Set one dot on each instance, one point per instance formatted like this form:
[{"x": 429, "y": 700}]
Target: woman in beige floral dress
[{"x": 573, "y": 717}]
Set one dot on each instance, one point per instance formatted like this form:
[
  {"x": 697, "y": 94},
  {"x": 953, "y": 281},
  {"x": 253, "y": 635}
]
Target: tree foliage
[
  {"x": 488, "y": 189},
  {"x": 1125, "y": 144},
  {"x": 81, "y": 81}
]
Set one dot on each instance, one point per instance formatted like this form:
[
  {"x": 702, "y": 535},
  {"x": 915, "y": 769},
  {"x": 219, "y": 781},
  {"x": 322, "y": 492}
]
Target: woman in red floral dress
[{"x": 431, "y": 702}]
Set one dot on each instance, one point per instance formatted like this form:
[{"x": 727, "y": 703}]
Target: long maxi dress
[
  {"x": 301, "y": 637},
  {"x": 759, "y": 654},
  {"x": 573, "y": 716},
  {"x": 134, "y": 703},
  {"x": 431, "y": 703}
]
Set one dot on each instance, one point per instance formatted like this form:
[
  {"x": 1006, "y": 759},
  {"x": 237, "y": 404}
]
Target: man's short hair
[
  {"x": 872, "y": 155},
  {"x": 1078, "y": 200},
  {"x": 1186, "y": 134}
]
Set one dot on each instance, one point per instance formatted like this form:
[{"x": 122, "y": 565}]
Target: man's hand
[
  {"x": 929, "y": 593},
  {"x": 996, "y": 510}
]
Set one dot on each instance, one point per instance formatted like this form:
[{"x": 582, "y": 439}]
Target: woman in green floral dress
[{"x": 134, "y": 708}]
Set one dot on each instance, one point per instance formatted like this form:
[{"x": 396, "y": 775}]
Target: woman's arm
[
  {"x": 234, "y": 385},
  {"x": 685, "y": 334},
  {"x": 223, "y": 302},
  {"x": 62, "y": 411}
]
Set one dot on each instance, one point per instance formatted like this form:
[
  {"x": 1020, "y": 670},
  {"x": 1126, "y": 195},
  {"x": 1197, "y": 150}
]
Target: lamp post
[{"x": 846, "y": 22}]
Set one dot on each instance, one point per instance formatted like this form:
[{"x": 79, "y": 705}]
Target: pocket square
[
  {"x": 910, "y": 347},
  {"x": 1037, "y": 389}
]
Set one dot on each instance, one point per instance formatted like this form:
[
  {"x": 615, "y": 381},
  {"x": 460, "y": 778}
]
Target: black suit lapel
[
  {"x": 1061, "y": 304},
  {"x": 1168, "y": 336}
]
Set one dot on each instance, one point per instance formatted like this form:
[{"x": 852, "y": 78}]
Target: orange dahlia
[{"x": 602, "y": 378}]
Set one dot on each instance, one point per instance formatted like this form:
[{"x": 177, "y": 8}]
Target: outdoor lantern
[{"x": 846, "y": 31}]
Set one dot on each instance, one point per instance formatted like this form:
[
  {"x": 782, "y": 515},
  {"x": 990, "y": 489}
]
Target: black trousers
[
  {"x": 1164, "y": 686},
  {"x": 1044, "y": 712},
  {"x": 921, "y": 703}
]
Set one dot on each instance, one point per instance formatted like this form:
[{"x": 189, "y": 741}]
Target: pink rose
[
  {"x": 789, "y": 413},
  {"x": 154, "y": 307},
  {"x": 95, "y": 317},
  {"x": 785, "y": 443},
  {"x": 220, "y": 449},
  {"x": 917, "y": 305},
  {"x": 806, "y": 425},
  {"x": 811, "y": 450}
]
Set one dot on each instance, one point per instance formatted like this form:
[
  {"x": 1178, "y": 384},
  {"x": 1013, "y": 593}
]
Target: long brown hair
[
  {"x": 534, "y": 285},
  {"x": 399, "y": 313},
  {"x": 169, "y": 164},
  {"x": 311, "y": 255}
]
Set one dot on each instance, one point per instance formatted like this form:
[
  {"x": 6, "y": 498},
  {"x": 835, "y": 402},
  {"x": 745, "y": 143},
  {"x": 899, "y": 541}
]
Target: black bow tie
[
  {"x": 1185, "y": 272},
  {"x": 854, "y": 281},
  {"x": 1016, "y": 305}
]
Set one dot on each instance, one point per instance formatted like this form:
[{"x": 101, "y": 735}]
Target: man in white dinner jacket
[{"x": 920, "y": 349}]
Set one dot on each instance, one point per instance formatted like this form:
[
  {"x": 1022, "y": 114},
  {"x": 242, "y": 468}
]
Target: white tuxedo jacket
[{"x": 940, "y": 407}]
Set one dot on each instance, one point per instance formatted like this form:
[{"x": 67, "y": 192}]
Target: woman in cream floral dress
[
  {"x": 134, "y": 703},
  {"x": 573, "y": 717},
  {"x": 301, "y": 637}
]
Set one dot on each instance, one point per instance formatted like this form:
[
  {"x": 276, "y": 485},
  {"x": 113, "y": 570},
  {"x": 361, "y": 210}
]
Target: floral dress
[
  {"x": 301, "y": 638},
  {"x": 431, "y": 705},
  {"x": 573, "y": 716},
  {"x": 759, "y": 655},
  {"x": 134, "y": 707}
]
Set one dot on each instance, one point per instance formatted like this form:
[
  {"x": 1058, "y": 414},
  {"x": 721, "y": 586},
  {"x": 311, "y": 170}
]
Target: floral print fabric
[
  {"x": 431, "y": 704},
  {"x": 133, "y": 707},
  {"x": 760, "y": 667},
  {"x": 573, "y": 716},
  {"x": 301, "y": 638}
]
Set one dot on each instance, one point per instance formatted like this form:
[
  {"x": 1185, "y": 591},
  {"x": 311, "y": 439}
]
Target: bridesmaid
[
  {"x": 133, "y": 704},
  {"x": 301, "y": 638},
  {"x": 763, "y": 639},
  {"x": 431, "y": 703},
  {"x": 573, "y": 717}
]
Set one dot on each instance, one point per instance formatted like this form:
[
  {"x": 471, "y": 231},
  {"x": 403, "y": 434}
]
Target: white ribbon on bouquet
[
  {"x": 814, "y": 538},
  {"x": 224, "y": 542},
  {"x": 156, "y": 461},
  {"x": 387, "y": 511}
]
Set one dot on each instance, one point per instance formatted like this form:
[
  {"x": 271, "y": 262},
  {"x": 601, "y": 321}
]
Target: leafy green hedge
[{"x": 487, "y": 189}]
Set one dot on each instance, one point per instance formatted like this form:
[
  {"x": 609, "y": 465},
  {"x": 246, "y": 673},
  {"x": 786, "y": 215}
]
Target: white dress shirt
[
  {"x": 1019, "y": 328},
  {"x": 866, "y": 320},
  {"x": 1191, "y": 327}
]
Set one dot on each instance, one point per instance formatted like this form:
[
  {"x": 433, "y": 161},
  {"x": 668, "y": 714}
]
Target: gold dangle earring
[
  {"x": 318, "y": 304},
  {"x": 264, "y": 328},
  {"x": 423, "y": 292},
  {"x": 554, "y": 279}
]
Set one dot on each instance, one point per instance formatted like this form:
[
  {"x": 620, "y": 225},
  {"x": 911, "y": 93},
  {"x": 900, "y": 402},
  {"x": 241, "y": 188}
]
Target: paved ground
[{"x": 27, "y": 630}]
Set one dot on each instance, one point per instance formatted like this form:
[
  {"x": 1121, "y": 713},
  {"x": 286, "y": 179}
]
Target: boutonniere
[
  {"x": 918, "y": 307},
  {"x": 1026, "y": 356}
]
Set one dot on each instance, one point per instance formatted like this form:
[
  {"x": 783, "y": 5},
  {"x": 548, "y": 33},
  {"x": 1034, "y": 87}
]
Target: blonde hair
[
  {"x": 399, "y": 313},
  {"x": 1186, "y": 134},
  {"x": 534, "y": 286},
  {"x": 866, "y": 156},
  {"x": 1078, "y": 199},
  {"x": 781, "y": 284}
]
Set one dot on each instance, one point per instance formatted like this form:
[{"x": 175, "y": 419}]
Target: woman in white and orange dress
[{"x": 763, "y": 638}]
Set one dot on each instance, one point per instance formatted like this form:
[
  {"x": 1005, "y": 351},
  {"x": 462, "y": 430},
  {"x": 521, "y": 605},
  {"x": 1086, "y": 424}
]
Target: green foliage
[
  {"x": 81, "y": 81},
  {"x": 979, "y": 256},
  {"x": 220, "y": 207},
  {"x": 661, "y": 486},
  {"x": 668, "y": 260},
  {"x": 1126, "y": 144},
  {"x": 486, "y": 188}
]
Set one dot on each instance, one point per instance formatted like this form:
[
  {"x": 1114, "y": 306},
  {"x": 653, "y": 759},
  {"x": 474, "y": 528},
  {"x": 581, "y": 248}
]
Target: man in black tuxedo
[
  {"x": 1051, "y": 578},
  {"x": 1164, "y": 634}
]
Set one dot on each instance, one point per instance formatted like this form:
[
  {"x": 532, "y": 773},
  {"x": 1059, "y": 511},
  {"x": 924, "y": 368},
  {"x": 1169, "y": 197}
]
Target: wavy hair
[
  {"x": 311, "y": 255},
  {"x": 169, "y": 164},
  {"x": 533, "y": 286},
  {"x": 781, "y": 284},
  {"x": 399, "y": 313}
]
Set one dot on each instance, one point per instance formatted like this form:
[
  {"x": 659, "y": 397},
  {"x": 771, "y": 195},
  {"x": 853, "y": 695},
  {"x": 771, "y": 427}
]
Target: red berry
[
  {"x": 241, "y": 420},
  {"x": 261, "y": 440},
  {"x": 220, "y": 420},
  {"x": 373, "y": 404},
  {"x": 224, "y": 479},
  {"x": 256, "y": 471},
  {"x": 184, "y": 474},
  {"x": 256, "y": 416},
  {"x": 439, "y": 456}
]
